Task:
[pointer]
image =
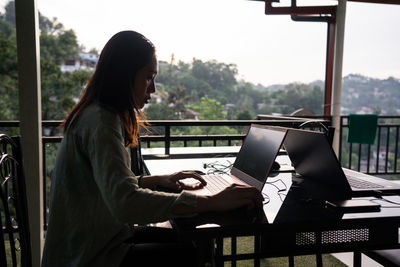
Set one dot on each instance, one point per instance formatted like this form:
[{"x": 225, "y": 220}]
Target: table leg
[
  {"x": 291, "y": 261},
  {"x": 206, "y": 253},
  {"x": 357, "y": 259},
  {"x": 318, "y": 258}
]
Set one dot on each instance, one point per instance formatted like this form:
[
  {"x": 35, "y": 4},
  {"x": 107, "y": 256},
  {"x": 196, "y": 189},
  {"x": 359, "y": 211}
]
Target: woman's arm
[
  {"x": 172, "y": 181},
  {"x": 235, "y": 196}
]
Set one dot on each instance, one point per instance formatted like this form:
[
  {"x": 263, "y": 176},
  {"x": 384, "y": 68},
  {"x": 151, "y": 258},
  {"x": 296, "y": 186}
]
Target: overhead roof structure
[
  {"x": 326, "y": 14},
  {"x": 334, "y": 16}
]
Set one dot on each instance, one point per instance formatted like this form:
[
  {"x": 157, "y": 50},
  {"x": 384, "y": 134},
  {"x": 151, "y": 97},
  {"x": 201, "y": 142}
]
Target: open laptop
[
  {"x": 314, "y": 159},
  {"x": 253, "y": 163}
]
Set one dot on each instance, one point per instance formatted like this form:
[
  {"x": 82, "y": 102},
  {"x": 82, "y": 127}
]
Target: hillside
[
  {"x": 361, "y": 94},
  {"x": 368, "y": 95}
]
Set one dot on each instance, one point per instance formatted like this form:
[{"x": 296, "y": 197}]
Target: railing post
[
  {"x": 359, "y": 158},
  {"x": 396, "y": 149},
  {"x": 378, "y": 148},
  {"x": 44, "y": 186},
  {"x": 340, "y": 138},
  {"x": 167, "y": 139},
  {"x": 387, "y": 148},
  {"x": 369, "y": 156},
  {"x": 350, "y": 154}
]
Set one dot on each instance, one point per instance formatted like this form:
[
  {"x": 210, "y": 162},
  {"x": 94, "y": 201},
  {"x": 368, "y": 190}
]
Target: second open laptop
[
  {"x": 253, "y": 163},
  {"x": 314, "y": 159}
]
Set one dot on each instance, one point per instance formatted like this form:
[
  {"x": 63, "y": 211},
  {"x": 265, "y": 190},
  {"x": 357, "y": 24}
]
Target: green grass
[
  {"x": 246, "y": 245},
  {"x": 8, "y": 254}
]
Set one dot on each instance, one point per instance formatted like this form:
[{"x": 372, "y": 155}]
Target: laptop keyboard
[
  {"x": 358, "y": 183},
  {"x": 215, "y": 182}
]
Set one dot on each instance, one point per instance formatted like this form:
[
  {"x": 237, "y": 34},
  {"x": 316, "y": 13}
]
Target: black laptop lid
[
  {"x": 314, "y": 158},
  {"x": 259, "y": 150}
]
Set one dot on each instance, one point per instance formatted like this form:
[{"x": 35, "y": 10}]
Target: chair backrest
[
  {"x": 15, "y": 249},
  {"x": 138, "y": 165},
  {"x": 328, "y": 130}
]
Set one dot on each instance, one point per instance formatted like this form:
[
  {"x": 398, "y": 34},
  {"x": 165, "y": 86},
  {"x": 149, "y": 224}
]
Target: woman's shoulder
[{"x": 95, "y": 116}]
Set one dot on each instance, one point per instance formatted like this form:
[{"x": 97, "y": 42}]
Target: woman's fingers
[
  {"x": 188, "y": 174},
  {"x": 238, "y": 195},
  {"x": 190, "y": 186}
]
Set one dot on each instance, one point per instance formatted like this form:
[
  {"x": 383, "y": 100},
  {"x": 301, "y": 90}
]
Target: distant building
[
  {"x": 365, "y": 110},
  {"x": 163, "y": 63},
  {"x": 228, "y": 106},
  {"x": 86, "y": 61}
]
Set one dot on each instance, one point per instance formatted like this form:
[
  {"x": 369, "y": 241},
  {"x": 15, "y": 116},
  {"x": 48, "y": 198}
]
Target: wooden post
[{"x": 30, "y": 117}]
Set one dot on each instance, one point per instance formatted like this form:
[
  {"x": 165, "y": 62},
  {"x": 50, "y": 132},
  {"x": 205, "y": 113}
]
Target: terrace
[{"x": 381, "y": 158}]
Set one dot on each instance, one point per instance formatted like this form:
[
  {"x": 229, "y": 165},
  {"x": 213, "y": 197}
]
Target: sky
[{"x": 266, "y": 49}]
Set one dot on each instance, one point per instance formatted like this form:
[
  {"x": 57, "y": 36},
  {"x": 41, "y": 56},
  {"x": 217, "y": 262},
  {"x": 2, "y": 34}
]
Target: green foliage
[
  {"x": 185, "y": 85},
  {"x": 8, "y": 72},
  {"x": 296, "y": 96},
  {"x": 57, "y": 45},
  {"x": 244, "y": 115},
  {"x": 210, "y": 109},
  {"x": 160, "y": 111}
]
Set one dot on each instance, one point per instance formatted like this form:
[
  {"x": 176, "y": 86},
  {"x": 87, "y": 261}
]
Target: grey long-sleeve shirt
[{"x": 94, "y": 195}]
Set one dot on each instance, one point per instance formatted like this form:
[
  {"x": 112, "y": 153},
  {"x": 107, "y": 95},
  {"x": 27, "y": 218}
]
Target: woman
[{"x": 94, "y": 194}]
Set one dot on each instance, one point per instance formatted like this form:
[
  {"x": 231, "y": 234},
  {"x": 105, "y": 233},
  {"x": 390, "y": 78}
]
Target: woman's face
[{"x": 144, "y": 84}]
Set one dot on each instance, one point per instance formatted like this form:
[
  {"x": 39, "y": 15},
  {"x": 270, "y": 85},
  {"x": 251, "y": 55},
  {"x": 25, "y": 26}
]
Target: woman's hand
[
  {"x": 233, "y": 197},
  {"x": 173, "y": 181}
]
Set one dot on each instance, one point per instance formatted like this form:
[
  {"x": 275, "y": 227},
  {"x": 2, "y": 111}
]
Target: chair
[
  {"x": 386, "y": 257},
  {"x": 138, "y": 165},
  {"x": 362, "y": 130},
  {"x": 15, "y": 248},
  {"x": 329, "y": 131}
]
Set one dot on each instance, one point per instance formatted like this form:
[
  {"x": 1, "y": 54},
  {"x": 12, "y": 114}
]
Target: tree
[
  {"x": 8, "y": 72},
  {"x": 59, "y": 90},
  {"x": 9, "y": 14},
  {"x": 178, "y": 99},
  {"x": 298, "y": 95},
  {"x": 159, "y": 111},
  {"x": 220, "y": 77},
  {"x": 210, "y": 109},
  {"x": 244, "y": 115}
]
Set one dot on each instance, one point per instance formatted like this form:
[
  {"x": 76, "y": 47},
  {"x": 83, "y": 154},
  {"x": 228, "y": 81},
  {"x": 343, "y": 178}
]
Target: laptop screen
[
  {"x": 259, "y": 151},
  {"x": 314, "y": 158}
]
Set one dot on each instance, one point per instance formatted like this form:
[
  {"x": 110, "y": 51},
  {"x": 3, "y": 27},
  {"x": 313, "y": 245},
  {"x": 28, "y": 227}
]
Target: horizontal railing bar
[
  {"x": 190, "y": 156},
  {"x": 222, "y": 122},
  {"x": 382, "y": 125},
  {"x": 56, "y": 123},
  {"x": 379, "y": 117},
  {"x": 192, "y": 137},
  {"x": 9, "y": 123},
  {"x": 52, "y": 139}
]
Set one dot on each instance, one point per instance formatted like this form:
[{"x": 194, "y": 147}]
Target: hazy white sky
[{"x": 267, "y": 49}]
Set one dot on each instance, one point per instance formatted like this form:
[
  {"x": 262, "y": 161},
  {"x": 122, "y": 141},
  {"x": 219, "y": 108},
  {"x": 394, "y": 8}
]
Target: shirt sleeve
[{"x": 119, "y": 186}]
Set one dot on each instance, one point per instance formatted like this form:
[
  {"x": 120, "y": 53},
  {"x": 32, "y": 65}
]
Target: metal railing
[
  {"x": 381, "y": 158},
  {"x": 378, "y": 159},
  {"x": 166, "y": 136}
]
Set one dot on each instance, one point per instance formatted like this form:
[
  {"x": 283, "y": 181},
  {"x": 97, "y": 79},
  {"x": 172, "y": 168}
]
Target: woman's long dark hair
[{"x": 111, "y": 85}]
